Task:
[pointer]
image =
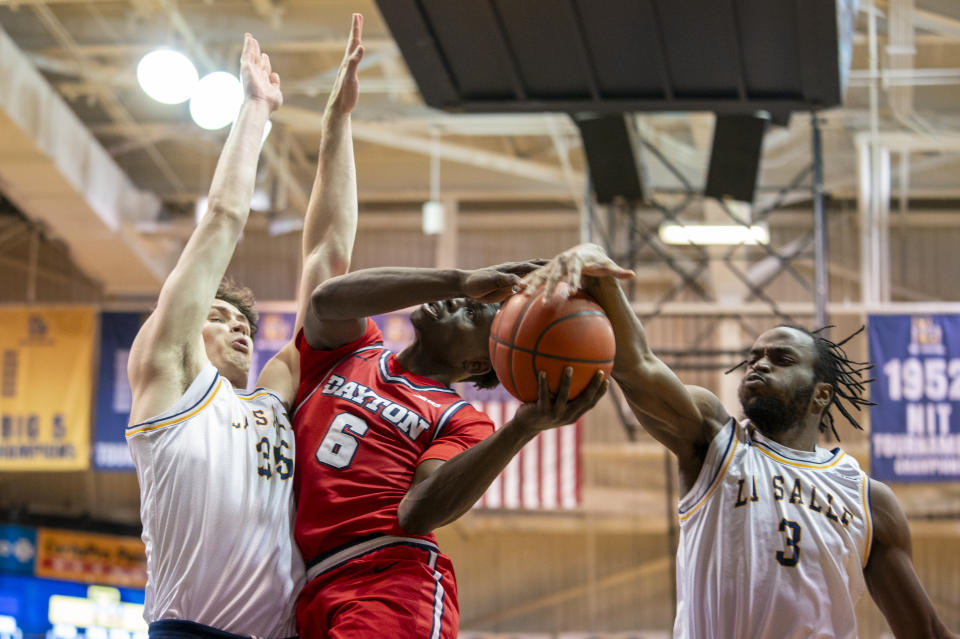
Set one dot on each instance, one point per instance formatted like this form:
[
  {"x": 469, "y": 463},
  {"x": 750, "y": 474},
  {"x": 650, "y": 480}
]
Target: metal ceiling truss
[{"x": 628, "y": 229}]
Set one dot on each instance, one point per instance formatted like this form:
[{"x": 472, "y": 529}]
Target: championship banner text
[
  {"x": 45, "y": 388},
  {"x": 915, "y": 426}
]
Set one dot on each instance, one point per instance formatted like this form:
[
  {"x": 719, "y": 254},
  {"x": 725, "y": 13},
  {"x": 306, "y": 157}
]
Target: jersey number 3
[
  {"x": 340, "y": 443},
  {"x": 793, "y": 543}
]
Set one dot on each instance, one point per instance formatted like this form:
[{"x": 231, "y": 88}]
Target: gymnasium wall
[{"x": 607, "y": 566}]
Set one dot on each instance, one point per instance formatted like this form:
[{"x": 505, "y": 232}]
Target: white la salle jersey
[
  {"x": 773, "y": 541},
  {"x": 216, "y": 502}
]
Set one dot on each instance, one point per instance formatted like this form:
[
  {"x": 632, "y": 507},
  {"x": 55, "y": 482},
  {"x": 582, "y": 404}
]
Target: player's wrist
[
  {"x": 334, "y": 116},
  {"x": 255, "y": 106},
  {"x": 527, "y": 424}
]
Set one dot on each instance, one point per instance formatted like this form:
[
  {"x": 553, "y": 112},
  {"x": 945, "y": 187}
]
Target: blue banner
[
  {"x": 275, "y": 330},
  {"x": 117, "y": 331},
  {"x": 915, "y": 426},
  {"x": 18, "y": 548}
]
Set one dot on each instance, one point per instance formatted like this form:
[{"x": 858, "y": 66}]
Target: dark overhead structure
[
  {"x": 726, "y": 56},
  {"x": 610, "y": 144},
  {"x": 601, "y": 59},
  {"x": 735, "y": 157}
]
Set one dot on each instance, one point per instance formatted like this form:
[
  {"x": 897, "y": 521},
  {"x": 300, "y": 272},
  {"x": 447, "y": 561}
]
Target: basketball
[{"x": 529, "y": 335}]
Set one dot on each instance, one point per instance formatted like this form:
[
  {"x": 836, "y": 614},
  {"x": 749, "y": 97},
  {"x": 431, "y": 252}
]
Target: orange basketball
[{"x": 530, "y": 335}]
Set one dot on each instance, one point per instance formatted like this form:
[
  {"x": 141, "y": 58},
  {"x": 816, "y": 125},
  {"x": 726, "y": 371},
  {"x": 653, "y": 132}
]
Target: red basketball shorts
[{"x": 399, "y": 591}]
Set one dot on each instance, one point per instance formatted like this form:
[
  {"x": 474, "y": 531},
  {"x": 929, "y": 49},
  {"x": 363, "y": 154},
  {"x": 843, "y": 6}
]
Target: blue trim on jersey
[
  {"x": 424, "y": 545},
  {"x": 257, "y": 390},
  {"x": 799, "y": 460},
  {"x": 373, "y": 346},
  {"x": 397, "y": 379},
  {"x": 326, "y": 376},
  {"x": 359, "y": 540},
  {"x": 438, "y": 594},
  {"x": 183, "y": 629},
  {"x": 445, "y": 417},
  {"x": 720, "y": 467},
  {"x": 163, "y": 418}
]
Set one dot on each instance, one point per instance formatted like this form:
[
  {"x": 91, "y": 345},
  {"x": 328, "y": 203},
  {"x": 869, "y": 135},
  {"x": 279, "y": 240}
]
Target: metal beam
[
  {"x": 422, "y": 121},
  {"x": 125, "y": 81},
  {"x": 109, "y": 100},
  {"x": 136, "y": 49},
  {"x": 390, "y": 137},
  {"x": 266, "y": 9},
  {"x": 912, "y": 142}
]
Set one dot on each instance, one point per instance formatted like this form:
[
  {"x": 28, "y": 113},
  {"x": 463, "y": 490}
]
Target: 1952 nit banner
[{"x": 916, "y": 422}]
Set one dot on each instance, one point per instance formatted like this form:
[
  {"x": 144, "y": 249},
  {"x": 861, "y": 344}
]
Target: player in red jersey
[{"x": 387, "y": 451}]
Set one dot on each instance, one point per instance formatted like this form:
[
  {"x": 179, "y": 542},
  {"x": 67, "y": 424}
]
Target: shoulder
[
  {"x": 263, "y": 396},
  {"x": 314, "y": 363},
  {"x": 207, "y": 391},
  {"x": 370, "y": 333},
  {"x": 461, "y": 409},
  {"x": 889, "y": 521},
  {"x": 460, "y": 418},
  {"x": 281, "y": 374},
  {"x": 713, "y": 415}
]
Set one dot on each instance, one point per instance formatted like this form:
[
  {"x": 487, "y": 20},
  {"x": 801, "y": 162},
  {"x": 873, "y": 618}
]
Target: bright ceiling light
[
  {"x": 433, "y": 217},
  {"x": 200, "y": 209},
  {"x": 216, "y": 100},
  {"x": 260, "y": 201},
  {"x": 714, "y": 234},
  {"x": 167, "y": 76}
]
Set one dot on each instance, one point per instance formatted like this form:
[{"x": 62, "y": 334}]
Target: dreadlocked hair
[{"x": 846, "y": 376}]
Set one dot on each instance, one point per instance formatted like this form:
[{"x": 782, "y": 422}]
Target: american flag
[{"x": 545, "y": 475}]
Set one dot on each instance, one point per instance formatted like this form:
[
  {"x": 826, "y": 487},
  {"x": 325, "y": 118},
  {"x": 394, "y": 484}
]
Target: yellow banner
[
  {"x": 46, "y": 386},
  {"x": 91, "y": 558}
]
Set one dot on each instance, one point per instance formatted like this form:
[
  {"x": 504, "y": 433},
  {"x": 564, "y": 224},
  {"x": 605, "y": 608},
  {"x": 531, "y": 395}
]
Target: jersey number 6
[{"x": 339, "y": 445}]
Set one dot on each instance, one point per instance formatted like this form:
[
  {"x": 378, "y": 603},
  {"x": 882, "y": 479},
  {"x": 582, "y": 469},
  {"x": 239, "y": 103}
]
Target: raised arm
[
  {"x": 340, "y": 305},
  {"x": 168, "y": 351},
  {"x": 682, "y": 418},
  {"x": 330, "y": 223},
  {"x": 890, "y": 575}
]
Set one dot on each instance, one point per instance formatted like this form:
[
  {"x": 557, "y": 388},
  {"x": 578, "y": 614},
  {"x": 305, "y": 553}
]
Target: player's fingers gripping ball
[{"x": 530, "y": 335}]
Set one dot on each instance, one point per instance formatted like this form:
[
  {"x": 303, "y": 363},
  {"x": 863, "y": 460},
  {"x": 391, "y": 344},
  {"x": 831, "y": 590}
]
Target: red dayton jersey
[{"x": 363, "y": 424}]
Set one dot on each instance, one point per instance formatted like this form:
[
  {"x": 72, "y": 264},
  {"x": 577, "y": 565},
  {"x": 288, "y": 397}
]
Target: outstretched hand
[
  {"x": 497, "y": 283},
  {"x": 260, "y": 82},
  {"x": 570, "y": 267},
  {"x": 346, "y": 88},
  {"x": 559, "y": 410}
]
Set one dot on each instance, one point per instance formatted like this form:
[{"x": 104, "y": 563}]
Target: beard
[{"x": 772, "y": 415}]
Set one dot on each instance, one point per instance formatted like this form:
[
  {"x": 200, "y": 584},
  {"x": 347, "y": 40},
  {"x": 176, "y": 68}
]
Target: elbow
[
  {"x": 324, "y": 302},
  {"x": 331, "y": 256},
  {"x": 220, "y": 210},
  {"x": 631, "y": 364},
  {"x": 413, "y": 520}
]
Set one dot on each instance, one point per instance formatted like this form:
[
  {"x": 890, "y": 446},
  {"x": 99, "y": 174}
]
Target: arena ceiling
[{"x": 86, "y": 51}]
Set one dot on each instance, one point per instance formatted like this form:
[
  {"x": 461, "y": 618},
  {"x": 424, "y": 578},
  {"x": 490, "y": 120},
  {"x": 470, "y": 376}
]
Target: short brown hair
[{"x": 242, "y": 298}]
